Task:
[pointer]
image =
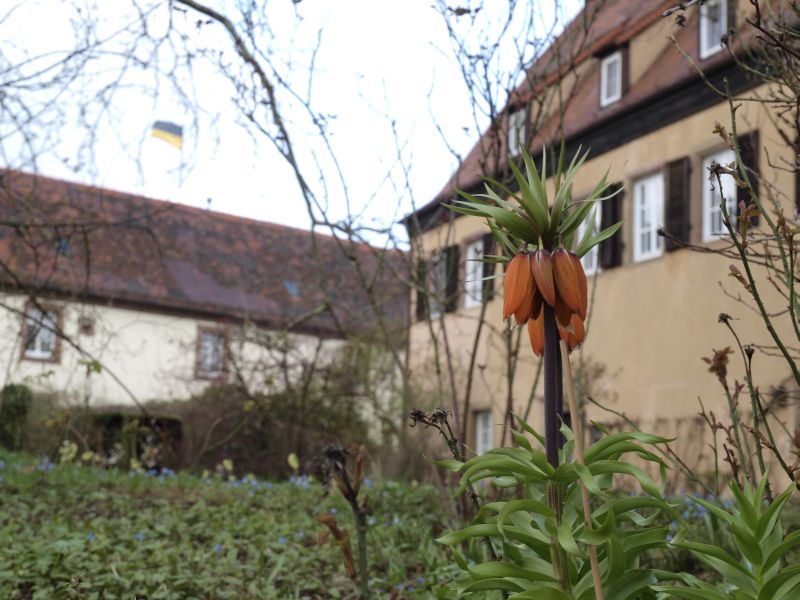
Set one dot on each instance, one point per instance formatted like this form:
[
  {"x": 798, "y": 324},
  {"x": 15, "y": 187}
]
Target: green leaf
[
  {"x": 601, "y": 534},
  {"x": 584, "y": 247},
  {"x": 491, "y": 570},
  {"x": 542, "y": 593},
  {"x": 449, "y": 464},
  {"x": 597, "y": 451},
  {"x": 534, "y": 206},
  {"x": 567, "y": 541},
  {"x": 536, "y": 184},
  {"x": 747, "y": 543},
  {"x": 766, "y": 522},
  {"x": 748, "y": 510},
  {"x": 627, "y": 586},
  {"x": 492, "y": 584},
  {"x": 785, "y": 581},
  {"x": 467, "y": 533},
  {"x": 644, "y": 480},
  {"x": 789, "y": 542},
  {"x": 690, "y": 593},
  {"x": 524, "y": 504},
  {"x": 721, "y": 561}
]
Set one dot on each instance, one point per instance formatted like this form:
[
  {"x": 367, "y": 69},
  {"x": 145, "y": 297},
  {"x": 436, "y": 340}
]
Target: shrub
[
  {"x": 258, "y": 432},
  {"x": 15, "y": 402}
]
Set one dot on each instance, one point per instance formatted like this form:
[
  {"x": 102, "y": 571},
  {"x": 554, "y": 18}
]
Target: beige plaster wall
[
  {"x": 147, "y": 355},
  {"x": 651, "y": 322}
]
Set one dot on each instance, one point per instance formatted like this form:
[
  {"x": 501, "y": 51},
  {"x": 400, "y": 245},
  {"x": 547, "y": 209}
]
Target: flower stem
[
  {"x": 553, "y": 392},
  {"x": 553, "y": 402}
]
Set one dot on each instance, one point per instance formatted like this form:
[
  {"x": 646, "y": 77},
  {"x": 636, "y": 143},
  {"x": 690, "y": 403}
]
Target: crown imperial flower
[{"x": 539, "y": 242}]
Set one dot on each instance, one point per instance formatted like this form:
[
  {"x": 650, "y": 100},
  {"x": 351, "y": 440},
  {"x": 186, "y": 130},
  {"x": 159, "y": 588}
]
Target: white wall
[{"x": 151, "y": 354}]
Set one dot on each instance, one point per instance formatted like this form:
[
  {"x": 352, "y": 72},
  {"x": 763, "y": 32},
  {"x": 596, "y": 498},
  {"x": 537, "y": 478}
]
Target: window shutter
[
  {"x": 422, "y": 295},
  {"x": 748, "y": 149},
  {"x": 610, "y": 213},
  {"x": 731, "y": 14},
  {"x": 677, "y": 221},
  {"x": 797, "y": 189},
  {"x": 488, "y": 268},
  {"x": 451, "y": 302},
  {"x": 624, "y": 70}
]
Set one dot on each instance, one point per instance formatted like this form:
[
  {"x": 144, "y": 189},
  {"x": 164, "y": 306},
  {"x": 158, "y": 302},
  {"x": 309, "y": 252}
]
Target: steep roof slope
[
  {"x": 92, "y": 243},
  {"x": 601, "y": 25}
]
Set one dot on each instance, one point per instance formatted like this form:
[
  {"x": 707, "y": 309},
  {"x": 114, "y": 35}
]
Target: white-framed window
[
  {"x": 713, "y": 25},
  {"x": 473, "y": 279},
  {"x": 516, "y": 131},
  {"x": 484, "y": 431},
  {"x": 590, "y": 260},
  {"x": 611, "y": 78},
  {"x": 648, "y": 217},
  {"x": 212, "y": 346},
  {"x": 41, "y": 339},
  {"x": 713, "y": 226}
]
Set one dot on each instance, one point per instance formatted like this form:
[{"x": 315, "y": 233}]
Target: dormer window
[
  {"x": 516, "y": 131},
  {"x": 611, "y": 78},
  {"x": 713, "y": 25}
]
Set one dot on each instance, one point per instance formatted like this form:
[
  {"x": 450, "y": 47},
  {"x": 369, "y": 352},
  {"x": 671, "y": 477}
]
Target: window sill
[{"x": 53, "y": 359}]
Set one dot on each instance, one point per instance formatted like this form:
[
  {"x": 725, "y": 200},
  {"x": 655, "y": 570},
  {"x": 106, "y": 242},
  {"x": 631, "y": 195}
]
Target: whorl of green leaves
[
  {"x": 526, "y": 219},
  {"x": 524, "y": 529},
  {"x": 758, "y": 571}
]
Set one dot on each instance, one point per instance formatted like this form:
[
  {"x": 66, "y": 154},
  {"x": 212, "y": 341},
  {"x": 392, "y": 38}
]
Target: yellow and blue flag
[{"x": 169, "y": 132}]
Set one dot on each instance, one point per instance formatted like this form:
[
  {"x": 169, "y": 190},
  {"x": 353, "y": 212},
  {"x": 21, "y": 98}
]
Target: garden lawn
[{"x": 77, "y": 532}]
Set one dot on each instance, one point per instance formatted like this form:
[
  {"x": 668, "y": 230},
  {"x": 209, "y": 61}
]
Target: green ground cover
[{"x": 76, "y": 532}]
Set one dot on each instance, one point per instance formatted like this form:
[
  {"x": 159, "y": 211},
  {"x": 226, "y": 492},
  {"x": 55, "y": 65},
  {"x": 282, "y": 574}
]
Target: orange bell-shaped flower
[
  {"x": 536, "y": 334},
  {"x": 583, "y": 285},
  {"x": 518, "y": 284},
  {"x": 542, "y": 267},
  {"x": 567, "y": 280}
]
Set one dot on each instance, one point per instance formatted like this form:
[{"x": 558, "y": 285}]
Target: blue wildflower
[
  {"x": 217, "y": 548},
  {"x": 89, "y": 536},
  {"x": 2, "y": 465},
  {"x": 139, "y": 536},
  {"x": 333, "y": 511},
  {"x": 282, "y": 540}
]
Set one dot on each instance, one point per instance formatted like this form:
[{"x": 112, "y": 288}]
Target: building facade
[
  {"x": 634, "y": 99},
  {"x": 112, "y": 299}
]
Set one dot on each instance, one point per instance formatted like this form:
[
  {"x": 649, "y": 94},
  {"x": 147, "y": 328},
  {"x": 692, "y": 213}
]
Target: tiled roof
[
  {"x": 57, "y": 236},
  {"x": 601, "y": 25}
]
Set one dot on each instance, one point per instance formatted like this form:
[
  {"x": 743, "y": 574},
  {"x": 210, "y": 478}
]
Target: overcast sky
[{"x": 377, "y": 62}]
